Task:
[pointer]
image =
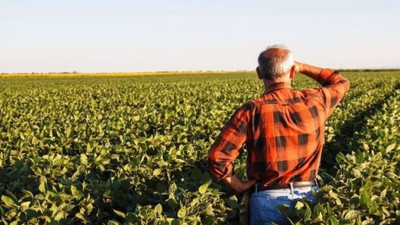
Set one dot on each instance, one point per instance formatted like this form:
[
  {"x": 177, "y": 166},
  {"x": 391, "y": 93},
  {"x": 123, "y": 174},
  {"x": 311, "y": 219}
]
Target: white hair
[{"x": 273, "y": 66}]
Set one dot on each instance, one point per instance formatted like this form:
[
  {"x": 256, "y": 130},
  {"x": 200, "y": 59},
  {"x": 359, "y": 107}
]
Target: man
[{"x": 284, "y": 134}]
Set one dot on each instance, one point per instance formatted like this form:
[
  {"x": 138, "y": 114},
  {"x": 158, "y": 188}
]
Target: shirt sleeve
[
  {"x": 334, "y": 87},
  {"x": 228, "y": 145}
]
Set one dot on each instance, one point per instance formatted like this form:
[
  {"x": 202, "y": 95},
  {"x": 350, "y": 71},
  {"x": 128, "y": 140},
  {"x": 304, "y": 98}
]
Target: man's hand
[
  {"x": 237, "y": 184},
  {"x": 299, "y": 66},
  {"x": 308, "y": 70}
]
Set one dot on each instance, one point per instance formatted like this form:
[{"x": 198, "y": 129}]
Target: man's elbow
[{"x": 346, "y": 84}]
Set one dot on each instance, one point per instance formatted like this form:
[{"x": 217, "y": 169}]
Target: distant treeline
[
  {"x": 368, "y": 70},
  {"x": 73, "y": 72},
  {"x": 154, "y": 72}
]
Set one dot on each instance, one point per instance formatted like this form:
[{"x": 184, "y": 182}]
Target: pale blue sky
[{"x": 132, "y": 36}]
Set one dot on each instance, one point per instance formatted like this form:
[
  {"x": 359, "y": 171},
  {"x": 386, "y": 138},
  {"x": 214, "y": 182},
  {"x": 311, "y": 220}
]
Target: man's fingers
[
  {"x": 297, "y": 66},
  {"x": 249, "y": 184}
]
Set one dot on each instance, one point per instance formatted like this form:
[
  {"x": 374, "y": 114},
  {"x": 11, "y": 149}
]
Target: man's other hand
[{"x": 237, "y": 184}]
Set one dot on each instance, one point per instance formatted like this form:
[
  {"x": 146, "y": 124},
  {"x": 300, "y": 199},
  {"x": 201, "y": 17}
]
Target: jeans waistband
[{"x": 290, "y": 187}]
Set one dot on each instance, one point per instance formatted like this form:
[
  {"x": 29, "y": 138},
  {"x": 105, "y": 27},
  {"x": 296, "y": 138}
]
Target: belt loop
[
  {"x": 291, "y": 188},
  {"x": 256, "y": 188}
]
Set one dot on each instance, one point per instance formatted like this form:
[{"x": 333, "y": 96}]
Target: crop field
[{"x": 133, "y": 150}]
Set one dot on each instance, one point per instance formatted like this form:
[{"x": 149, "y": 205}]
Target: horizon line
[{"x": 182, "y": 71}]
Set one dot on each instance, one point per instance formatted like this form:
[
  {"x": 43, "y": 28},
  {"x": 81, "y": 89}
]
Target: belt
[{"x": 295, "y": 184}]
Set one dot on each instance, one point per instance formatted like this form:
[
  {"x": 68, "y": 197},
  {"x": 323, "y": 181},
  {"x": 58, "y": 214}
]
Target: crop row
[
  {"x": 133, "y": 150},
  {"x": 364, "y": 187},
  {"x": 117, "y": 152},
  {"x": 361, "y": 102}
]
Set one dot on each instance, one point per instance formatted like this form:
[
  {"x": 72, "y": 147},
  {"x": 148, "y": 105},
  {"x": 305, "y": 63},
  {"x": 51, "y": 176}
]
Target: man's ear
[
  {"x": 292, "y": 71},
  {"x": 258, "y": 73}
]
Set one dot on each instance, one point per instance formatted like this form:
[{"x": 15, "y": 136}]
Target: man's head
[{"x": 276, "y": 64}]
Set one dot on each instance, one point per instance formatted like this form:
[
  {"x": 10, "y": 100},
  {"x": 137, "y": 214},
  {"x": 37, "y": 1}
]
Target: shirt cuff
[{"x": 219, "y": 172}]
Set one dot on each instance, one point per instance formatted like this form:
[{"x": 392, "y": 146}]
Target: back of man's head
[{"x": 275, "y": 62}]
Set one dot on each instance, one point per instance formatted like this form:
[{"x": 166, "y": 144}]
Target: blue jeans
[{"x": 263, "y": 204}]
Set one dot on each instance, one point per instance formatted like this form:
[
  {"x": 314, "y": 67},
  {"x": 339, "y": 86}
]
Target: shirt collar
[{"x": 277, "y": 86}]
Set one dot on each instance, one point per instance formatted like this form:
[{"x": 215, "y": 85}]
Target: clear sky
[{"x": 132, "y": 36}]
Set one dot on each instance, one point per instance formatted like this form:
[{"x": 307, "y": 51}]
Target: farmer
[{"x": 284, "y": 134}]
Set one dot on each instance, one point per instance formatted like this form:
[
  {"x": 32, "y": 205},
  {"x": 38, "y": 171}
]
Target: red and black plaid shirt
[{"x": 283, "y": 131}]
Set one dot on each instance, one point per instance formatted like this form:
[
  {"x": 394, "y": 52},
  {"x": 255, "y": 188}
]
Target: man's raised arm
[
  {"x": 324, "y": 76},
  {"x": 334, "y": 84}
]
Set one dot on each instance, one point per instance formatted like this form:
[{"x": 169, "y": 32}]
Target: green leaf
[
  {"x": 35, "y": 141},
  {"x": 80, "y": 216},
  {"x": 112, "y": 222},
  {"x": 390, "y": 147},
  {"x": 158, "y": 209},
  {"x": 203, "y": 187},
  {"x": 182, "y": 212},
  {"x": 333, "y": 221},
  {"x": 156, "y": 172},
  {"x": 9, "y": 193},
  {"x": 196, "y": 174},
  {"x": 43, "y": 184},
  {"x": 172, "y": 188},
  {"x": 119, "y": 213},
  {"x": 83, "y": 159},
  {"x": 175, "y": 222},
  {"x": 299, "y": 205},
  {"x": 351, "y": 214},
  {"x": 75, "y": 192},
  {"x": 307, "y": 213},
  {"x": 25, "y": 205},
  {"x": 356, "y": 172},
  {"x": 172, "y": 202},
  {"x": 28, "y": 194},
  {"x": 283, "y": 208},
  {"x": 209, "y": 210},
  {"x": 68, "y": 131},
  {"x": 7, "y": 200},
  {"x": 60, "y": 215}
]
